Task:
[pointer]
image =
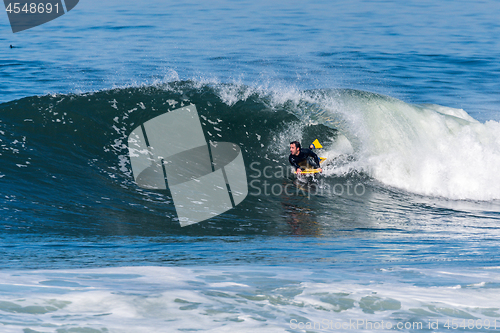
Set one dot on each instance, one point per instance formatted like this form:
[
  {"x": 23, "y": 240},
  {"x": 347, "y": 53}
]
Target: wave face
[{"x": 65, "y": 157}]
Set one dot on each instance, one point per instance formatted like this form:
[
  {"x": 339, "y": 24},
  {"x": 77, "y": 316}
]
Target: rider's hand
[{"x": 299, "y": 170}]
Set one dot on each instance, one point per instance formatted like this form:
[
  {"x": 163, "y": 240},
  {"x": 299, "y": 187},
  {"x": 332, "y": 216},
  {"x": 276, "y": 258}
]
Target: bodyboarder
[{"x": 302, "y": 158}]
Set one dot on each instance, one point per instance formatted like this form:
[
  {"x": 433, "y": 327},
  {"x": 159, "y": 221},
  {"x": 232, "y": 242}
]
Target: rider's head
[{"x": 294, "y": 147}]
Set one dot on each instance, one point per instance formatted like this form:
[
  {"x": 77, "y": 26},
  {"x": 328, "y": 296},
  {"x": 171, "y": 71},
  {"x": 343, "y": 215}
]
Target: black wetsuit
[{"x": 306, "y": 155}]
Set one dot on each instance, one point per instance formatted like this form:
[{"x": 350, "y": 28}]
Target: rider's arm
[
  {"x": 313, "y": 155},
  {"x": 292, "y": 162},
  {"x": 316, "y": 158}
]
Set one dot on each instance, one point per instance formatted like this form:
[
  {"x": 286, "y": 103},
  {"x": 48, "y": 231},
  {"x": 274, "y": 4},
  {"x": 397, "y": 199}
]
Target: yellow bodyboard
[{"x": 316, "y": 144}]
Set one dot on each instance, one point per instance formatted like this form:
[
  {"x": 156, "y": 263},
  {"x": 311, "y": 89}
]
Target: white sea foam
[
  {"x": 432, "y": 150},
  {"x": 241, "y": 299}
]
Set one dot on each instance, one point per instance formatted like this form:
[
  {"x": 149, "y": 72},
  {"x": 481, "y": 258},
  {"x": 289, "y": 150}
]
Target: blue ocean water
[{"x": 400, "y": 233}]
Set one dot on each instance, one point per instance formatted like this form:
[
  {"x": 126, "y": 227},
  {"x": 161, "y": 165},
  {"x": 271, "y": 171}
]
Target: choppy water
[{"x": 401, "y": 228}]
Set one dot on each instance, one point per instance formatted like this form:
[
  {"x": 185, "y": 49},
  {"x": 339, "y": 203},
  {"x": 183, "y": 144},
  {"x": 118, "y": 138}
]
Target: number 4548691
[
  {"x": 32, "y": 8},
  {"x": 470, "y": 324}
]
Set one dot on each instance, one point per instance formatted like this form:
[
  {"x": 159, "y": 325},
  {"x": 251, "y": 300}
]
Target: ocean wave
[{"x": 68, "y": 154}]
